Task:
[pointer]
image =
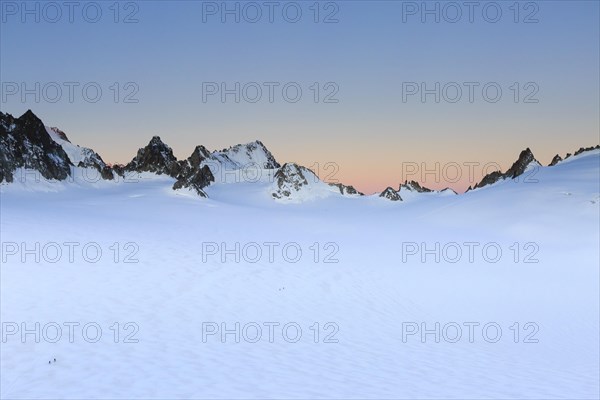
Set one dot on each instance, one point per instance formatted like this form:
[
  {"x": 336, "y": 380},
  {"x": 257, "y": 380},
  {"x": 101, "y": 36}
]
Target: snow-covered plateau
[{"x": 126, "y": 288}]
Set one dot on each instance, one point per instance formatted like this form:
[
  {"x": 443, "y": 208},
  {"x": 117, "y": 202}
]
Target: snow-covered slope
[
  {"x": 358, "y": 288},
  {"x": 413, "y": 191},
  {"x": 246, "y": 155},
  {"x": 295, "y": 183},
  {"x": 78, "y": 155}
]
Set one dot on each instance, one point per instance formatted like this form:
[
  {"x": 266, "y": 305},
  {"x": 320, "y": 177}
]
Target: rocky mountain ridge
[{"x": 25, "y": 142}]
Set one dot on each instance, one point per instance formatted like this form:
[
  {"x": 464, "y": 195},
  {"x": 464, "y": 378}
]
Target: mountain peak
[
  {"x": 156, "y": 157},
  {"x": 290, "y": 178},
  {"x": 157, "y": 141},
  {"x": 525, "y": 159},
  {"x": 584, "y": 149},
  {"x": 390, "y": 194},
  {"x": 28, "y": 115},
  {"x": 250, "y": 153},
  {"x": 414, "y": 186},
  {"x": 555, "y": 160},
  {"x": 25, "y": 143},
  {"x": 346, "y": 189},
  {"x": 193, "y": 174},
  {"x": 199, "y": 154}
]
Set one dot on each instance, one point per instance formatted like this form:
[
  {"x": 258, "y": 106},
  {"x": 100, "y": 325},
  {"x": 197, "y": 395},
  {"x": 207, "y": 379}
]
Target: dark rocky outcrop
[
  {"x": 525, "y": 159},
  {"x": 414, "y": 186},
  {"x": 558, "y": 159},
  {"x": 346, "y": 189},
  {"x": 584, "y": 149},
  {"x": 156, "y": 157},
  {"x": 193, "y": 174},
  {"x": 107, "y": 173},
  {"x": 25, "y": 143},
  {"x": 391, "y": 194},
  {"x": 290, "y": 178},
  {"x": 490, "y": 179},
  {"x": 119, "y": 169},
  {"x": 555, "y": 160}
]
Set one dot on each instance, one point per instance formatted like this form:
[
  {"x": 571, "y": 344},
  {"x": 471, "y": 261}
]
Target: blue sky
[{"x": 366, "y": 56}]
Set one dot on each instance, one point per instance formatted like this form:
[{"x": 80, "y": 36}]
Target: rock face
[
  {"x": 525, "y": 160},
  {"x": 584, "y": 149},
  {"x": 297, "y": 183},
  {"x": 199, "y": 155},
  {"x": 156, "y": 157},
  {"x": 558, "y": 159},
  {"x": 244, "y": 155},
  {"x": 291, "y": 178},
  {"x": 193, "y": 174},
  {"x": 119, "y": 169},
  {"x": 346, "y": 190},
  {"x": 555, "y": 160},
  {"x": 490, "y": 179},
  {"x": 25, "y": 143},
  {"x": 414, "y": 186},
  {"x": 390, "y": 194}
]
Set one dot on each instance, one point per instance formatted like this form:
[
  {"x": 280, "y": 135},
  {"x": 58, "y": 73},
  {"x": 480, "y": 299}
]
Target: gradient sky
[{"x": 370, "y": 134}]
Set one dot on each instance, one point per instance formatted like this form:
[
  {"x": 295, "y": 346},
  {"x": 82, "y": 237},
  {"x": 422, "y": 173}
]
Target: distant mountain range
[{"x": 25, "y": 142}]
